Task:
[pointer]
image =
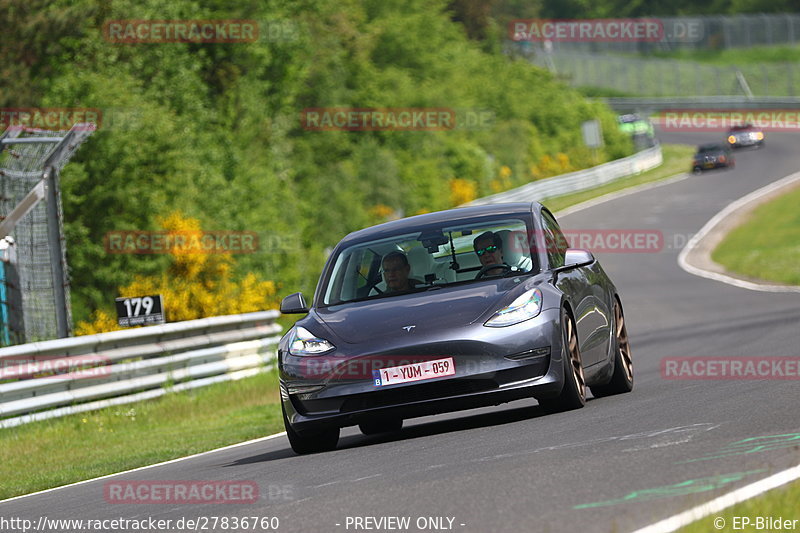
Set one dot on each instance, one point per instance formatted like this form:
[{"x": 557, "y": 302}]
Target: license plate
[
  {"x": 709, "y": 165},
  {"x": 414, "y": 372}
]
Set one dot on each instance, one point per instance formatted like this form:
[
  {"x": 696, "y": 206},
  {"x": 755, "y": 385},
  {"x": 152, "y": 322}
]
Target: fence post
[{"x": 55, "y": 236}]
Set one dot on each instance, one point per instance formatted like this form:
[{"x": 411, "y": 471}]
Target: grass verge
[
  {"x": 736, "y": 56},
  {"x": 766, "y": 246},
  {"x": 780, "y": 502},
  {"x": 677, "y": 159},
  {"x": 50, "y": 453},
  {"x": 64, "y": 450}
]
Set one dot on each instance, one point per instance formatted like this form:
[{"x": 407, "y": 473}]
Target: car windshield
[
  {"x": 627, "y": 119},
  {"x": 430, "y": 258},
  {"x": 710, "y": 148}
]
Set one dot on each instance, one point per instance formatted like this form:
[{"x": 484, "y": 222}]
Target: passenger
[{"x": 396, "y": 271}]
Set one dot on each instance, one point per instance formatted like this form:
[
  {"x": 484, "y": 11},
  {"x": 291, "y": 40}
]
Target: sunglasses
[{"x": 490, "y": 249}]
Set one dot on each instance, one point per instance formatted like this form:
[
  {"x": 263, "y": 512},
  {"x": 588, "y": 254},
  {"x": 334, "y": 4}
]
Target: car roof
[
  {"x": 409, "y": 224},
  {"x": 709, "y": 147}
]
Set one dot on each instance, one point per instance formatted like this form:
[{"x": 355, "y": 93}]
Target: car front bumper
[{"x": 498, "y": 365}]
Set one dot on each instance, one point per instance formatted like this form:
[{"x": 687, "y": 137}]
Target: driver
[{"x": 489, "y": 247}]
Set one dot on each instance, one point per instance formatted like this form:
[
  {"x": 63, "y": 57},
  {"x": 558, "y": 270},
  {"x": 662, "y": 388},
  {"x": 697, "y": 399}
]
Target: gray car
[{"x": 446, "y": 311}]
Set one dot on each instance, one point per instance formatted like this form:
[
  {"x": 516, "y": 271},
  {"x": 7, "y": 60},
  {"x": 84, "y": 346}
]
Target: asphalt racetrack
[{"x": 616, "y": 465}]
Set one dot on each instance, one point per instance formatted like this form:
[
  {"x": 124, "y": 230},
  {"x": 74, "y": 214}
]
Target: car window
[
  {"x": 555, "y": 241},
  {"x": 424, "y": 259}
]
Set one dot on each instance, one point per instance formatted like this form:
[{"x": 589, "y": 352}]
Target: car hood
[{"x": 430, "y": 311}]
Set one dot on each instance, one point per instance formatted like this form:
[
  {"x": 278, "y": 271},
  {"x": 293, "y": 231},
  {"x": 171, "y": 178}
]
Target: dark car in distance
[
  {"x": 745, "y": 135},
  {"x": 489, "y": 305},
  {"x": 710, "y": 156}
]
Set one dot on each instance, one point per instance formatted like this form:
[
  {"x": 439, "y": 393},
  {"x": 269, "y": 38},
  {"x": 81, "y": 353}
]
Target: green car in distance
[{"x": 640, "y": 129}]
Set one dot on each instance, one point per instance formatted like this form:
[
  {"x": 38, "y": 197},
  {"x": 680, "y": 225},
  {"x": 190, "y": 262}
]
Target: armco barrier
[
  {"x": 578, "y": 181},
  {"x": 137, "y": 363}
]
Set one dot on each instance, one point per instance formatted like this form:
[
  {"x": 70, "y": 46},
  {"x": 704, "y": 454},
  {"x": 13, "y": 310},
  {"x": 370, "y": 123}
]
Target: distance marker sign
[{"x": 140, "y": 311}]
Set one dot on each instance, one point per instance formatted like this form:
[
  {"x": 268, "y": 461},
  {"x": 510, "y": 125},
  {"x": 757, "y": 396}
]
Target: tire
[
  {"x": 323, "y": 440},
  {"x": 573, "y": 394},
  {"x": 697, "y": 170},
  {"x": 622, "y": 378},
  {"x": 375, "y": 427}
]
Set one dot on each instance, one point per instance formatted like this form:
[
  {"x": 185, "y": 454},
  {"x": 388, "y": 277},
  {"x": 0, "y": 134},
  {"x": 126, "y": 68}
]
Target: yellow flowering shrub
[
  {"x": 196, "y": 285},
  {"x": 462, "y": 191},
  {"x": 381, "y": 212}
]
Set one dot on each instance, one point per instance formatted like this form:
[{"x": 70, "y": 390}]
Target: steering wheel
[{"x": 487, "y": 268}]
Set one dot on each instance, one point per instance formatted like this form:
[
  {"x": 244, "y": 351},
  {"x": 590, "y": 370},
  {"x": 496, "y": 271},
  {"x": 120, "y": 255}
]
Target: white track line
[
  {"x": 716, "y": 505},
  {"x": 719, "y": 217},
  {"x": 238, "y": 444}
]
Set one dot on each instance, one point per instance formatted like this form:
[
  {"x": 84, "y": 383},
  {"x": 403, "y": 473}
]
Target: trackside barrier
[
  {"x": 131, "y": 365},
  {"x": 578, "y": 181}
]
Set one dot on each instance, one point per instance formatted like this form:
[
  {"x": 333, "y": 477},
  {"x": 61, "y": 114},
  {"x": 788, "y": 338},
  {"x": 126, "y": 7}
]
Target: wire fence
[
  {"x": 667, "y": 77},
  {"x": 34, "y": 282},
  {"x": 719, "y": 32}
]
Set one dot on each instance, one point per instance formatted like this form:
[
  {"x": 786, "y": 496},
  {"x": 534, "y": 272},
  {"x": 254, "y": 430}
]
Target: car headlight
[
  {"x": 732, "y": 139},
  {"x": 304, "y": 343},
  {"x": 759, "y": 135},
  {"x": 527, "y": 306}
]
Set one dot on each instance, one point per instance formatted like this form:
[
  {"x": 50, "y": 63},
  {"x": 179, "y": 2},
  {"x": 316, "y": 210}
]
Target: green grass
[
  {"x": 767, "y": 245},
  {"x": 780, "y": 502},
  {"x": 737, "y": 56},
  {"x": 677, "y": 159},
  {"x": 613, "y": 74},
  {"x": 55, "y": 452}
]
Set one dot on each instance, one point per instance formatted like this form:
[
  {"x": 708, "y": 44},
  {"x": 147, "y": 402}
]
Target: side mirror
[
  {"x": 576, "y": 257},
  {"x": 294, "y": 304}
]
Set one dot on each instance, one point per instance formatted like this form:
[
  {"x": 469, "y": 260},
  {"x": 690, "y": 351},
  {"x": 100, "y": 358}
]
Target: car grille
[{"x": 416, "y": 393}]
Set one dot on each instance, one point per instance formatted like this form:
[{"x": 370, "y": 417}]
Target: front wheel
[
  {"x": 573, "y": 395},
  {"x": 622, "y": 378},
  {"x": 311, "y": 442}
]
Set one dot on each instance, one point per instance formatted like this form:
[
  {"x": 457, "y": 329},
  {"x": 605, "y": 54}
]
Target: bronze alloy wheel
[
  {"x": 622, "y": 378},
  {"x": 575, "y": 358},
  {"x": 573, "y": 394},
  {"x": 622, "y": 341}
]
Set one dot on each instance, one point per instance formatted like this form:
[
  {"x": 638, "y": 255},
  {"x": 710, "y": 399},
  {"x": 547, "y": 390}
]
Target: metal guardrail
[
  {"x": 131, "y": 365},
  {"x": 578, "y": 181}
]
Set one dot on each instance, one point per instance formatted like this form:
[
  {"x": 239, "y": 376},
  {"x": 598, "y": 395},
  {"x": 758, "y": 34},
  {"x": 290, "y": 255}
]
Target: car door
[{"x": 586, "y": 294}]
